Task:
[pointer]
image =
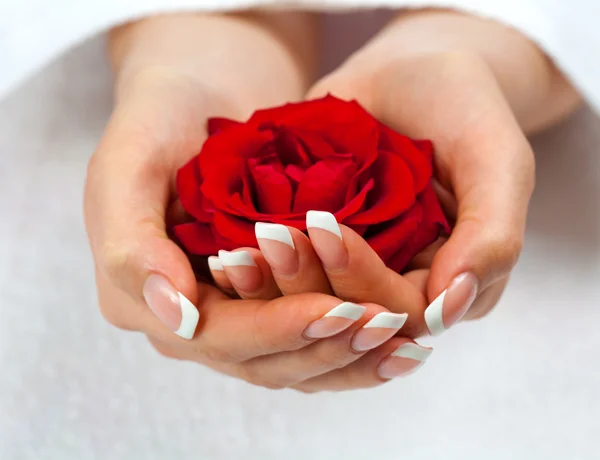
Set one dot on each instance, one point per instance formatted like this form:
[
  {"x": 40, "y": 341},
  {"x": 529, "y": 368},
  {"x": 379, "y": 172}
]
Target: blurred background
[{"x": 522, "y": 384}]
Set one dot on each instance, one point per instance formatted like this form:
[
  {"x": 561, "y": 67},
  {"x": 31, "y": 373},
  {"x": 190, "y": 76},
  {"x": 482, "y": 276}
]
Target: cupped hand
[
  {"x": 474, "y": 88},
  {"x": 335, "y": 260},
  {"x": 167, "y": 88}
]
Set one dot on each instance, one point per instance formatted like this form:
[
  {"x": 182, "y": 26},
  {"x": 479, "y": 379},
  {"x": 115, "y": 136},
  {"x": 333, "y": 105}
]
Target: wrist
[
  {"x": 261, "y": 56},
  {"x": 533, "y": 87}
]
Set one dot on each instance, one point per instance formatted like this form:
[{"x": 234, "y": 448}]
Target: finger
[
  {"x": 239, "y": 330},
  {"x": 481, "y": 155},
  {"x": 234, "y": 331},
  {"x": 249, "y": 274},
  {"x": 176, "y": 351},
  {"x": 358, "y": 274},
  {"x": 489, "y": 166},
  {"x": 127, "y": 191},
  {"x": 447, "y": 201},
  {"x": 486, "y": 300},
  {"x": 487, "y": 239},
  {"x": 287, "y": 369},
  {"x": 219, "y": 276},
  {"x": 396, "y": 358},
  {"x": 424, "y": 259},
  {"x": 294, "y": 263}
]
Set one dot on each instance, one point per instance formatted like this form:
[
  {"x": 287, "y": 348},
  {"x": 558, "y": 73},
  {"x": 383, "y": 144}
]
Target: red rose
[{"x": 325, "y": 155}]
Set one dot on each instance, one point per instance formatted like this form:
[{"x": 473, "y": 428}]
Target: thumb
[
  {"x": 128, "y": 187},
  {"x": 492, "y": 178}
]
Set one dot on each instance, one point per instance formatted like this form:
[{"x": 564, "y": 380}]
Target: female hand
[
  {"x": 475, "y": 88},
  {"x": 172, "y": 74}
]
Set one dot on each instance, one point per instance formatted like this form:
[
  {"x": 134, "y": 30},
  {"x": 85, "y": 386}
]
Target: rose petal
[
  {"x": 345, "y": 125},
  {"x": 418, "y": 155},
  {"x": 356, "y": 204},
  {"x": 223, "y": 161},
  {"x": 272, "y": 187},
  {"x": 316, "y": 147},
  {"x": 217, "y": 124},
  {"x": 294, "y": 173},
  {"x": 432, "y": 208},
  {"x": 425, "y": 235},
  {"x": 389, "y": 238},
  {"x": 323, "y": 186},
  {"x": 274, "y": 113},
  {"x": 234, "y": 230},
  {"x": 401, "y": 240},
  {"x": 425, "y": 146},
  {"x": 188, "y": 184},
  {"x": 248, "y": 194},
  {"x": 392, "y": 194},
  {"x": 197, "y": 238},
  {"x": 290, "y": 150}
]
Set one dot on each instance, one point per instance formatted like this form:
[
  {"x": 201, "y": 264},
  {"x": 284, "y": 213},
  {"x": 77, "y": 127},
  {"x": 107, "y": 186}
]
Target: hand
[
  {"x": 336, "y": 261},
  {"x": 474, "y": 88},
  {"x": 167, "y": 86}
]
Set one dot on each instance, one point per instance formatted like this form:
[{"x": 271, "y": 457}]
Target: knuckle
[
  {"x": 268, "y": 340},
  {"x": 116, "y": 260},
  {"x": 219, "y": 355},
  {"x": 164, "y": 350},
  {"x": 332, "y": 357},
  {"x": 504, "y": 247},
  {"x": 251, "y": 375},
  {"x": 114, "y": 316}
]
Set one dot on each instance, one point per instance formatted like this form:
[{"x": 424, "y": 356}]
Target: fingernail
[
  {"x": 170, "y": 306},
  {"x": 407, "y": 358},
  {"x": 326, "y": 238},
  {"x": 276, "y": 243},
  {"x": 241, "y": 270},
  {"x": 214, "y": 263},
  {"x": 381, "y": 328},
  {"x": 334, "y": 322},
  {"x": 452, "y": 304}
]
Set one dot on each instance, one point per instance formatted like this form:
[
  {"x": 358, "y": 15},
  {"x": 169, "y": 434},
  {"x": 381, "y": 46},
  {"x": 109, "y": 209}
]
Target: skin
[{"x": 482, "y": 86}]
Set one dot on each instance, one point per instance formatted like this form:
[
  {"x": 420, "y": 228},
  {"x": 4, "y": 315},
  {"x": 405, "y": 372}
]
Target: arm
[{"x": 537, "y": 92}]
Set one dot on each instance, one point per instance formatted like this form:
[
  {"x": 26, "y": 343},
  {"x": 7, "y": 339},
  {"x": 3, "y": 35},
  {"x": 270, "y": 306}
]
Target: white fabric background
[
  {"x": 521, "y": 385},
  {"x": 33, "y": 31}
]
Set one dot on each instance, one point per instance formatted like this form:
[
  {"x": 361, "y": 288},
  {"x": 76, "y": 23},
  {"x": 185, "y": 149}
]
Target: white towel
[{"x": 34, "y": 31}]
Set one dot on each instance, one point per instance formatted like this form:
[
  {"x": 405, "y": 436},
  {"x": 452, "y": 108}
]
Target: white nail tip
[
  {"x": 236, "y": 259},
  {"x": 412, "y": 351},
  {"x": 275, "y": 232},
  {"x": 434, "y": 315},
  {"x": 189, "y": 318},
  {"x": 388, "y": 320},
  {"x": 323, "y": 220},
  {"x": 347, "y": 310},
  {"x": 214, "y": 263}
]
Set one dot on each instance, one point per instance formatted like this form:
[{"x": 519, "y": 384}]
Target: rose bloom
[{"x": 323, "y": 155}]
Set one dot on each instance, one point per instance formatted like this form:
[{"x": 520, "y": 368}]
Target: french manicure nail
[
  {"x": 326, "y": 238},
  {"x": 241, "y": 270},
  {"x": 378, "y": 330},
  {"x": 170, "y": 306},
  {"x": 276, "y": 243},
  {"x": 236, "y": 259},
  {"x": 452, "y": 304},
  {"x": 323, "y": 220},
  {"x": 335, "y": 321},
  {"x": 407, "y": 358},
  {"x": 214, "y": 263}
]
